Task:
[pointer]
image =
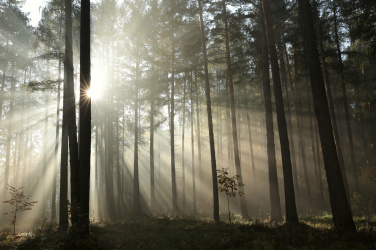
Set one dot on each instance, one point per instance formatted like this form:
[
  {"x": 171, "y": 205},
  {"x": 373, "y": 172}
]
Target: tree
[
  {"x": 345, "y": 101},
  {"x": 85, "y": 117},
  {"x": 20, "y": 203},
  {"x": 291, "y": 214},
  {"x": 275, "y": 205},
  {"x": 233, "y": 115},
  {"x": 71, "y": 120},
  {"x": 342, "y": 217},
  {"x": 230, "y": 186},
  {"x": 68, "y": 74},
  {"x": 210, "y": 121}
]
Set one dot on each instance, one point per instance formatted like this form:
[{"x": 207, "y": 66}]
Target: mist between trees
[{"x": 168, "y": 110}]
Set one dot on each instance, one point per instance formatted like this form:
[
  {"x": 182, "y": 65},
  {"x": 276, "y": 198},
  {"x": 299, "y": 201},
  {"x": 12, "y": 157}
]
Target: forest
[{"x": 184, "y": 124}]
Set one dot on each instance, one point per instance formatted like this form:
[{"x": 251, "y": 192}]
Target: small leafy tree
[
  {"x": 20, "y": 202},
  {"x": 229, "y": 186}
]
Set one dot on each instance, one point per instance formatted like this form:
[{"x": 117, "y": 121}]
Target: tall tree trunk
[
  {"x": 200, "y": 181},
  {"x": 117, "y": 166},
  {"x": 294, "y": 166},
  {"x": 275, "y": 205},
  {"x": 54, "y": 181},
  {"x": 291, "y": 214},
  {"x": 71, "y": 118},
  {"x": 182, "y": 144},
  {"x": 249, "y": 132},
  {"x": 9, "y": 135},
  {"x": 5, "y": 64},
  {"x": 85, "y": 117},
  {"x": 152, "y": 168},
  {"x": 228, "y": 125},
  {"x": 193, "y": 149},
  {"x": 172, "y": 132},
  {"x": 243, "y": 204},
  {"x": 109, "y": 154},
  {"x": 322, "y": 204},
  {"x": 310, "y": 115},
  {"x": 353, "y": 167},
  {"x": 136, "y": 178},
  {"x": 63, "y": 207},
  {"x": 210, "y": 121},
  {"x": 329, "y": 96},
  {"x": 341, "y": 210},
  {"x": 301, "y": 144}
]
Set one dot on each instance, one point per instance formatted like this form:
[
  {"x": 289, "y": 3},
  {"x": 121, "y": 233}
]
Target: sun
[
  {"x": 93, "y": 93},
  {"x": 96, "y": 89}
]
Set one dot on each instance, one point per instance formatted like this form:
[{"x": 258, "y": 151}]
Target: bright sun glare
[
  {"x": 96, "y": 87},
  {"x": 92, "y": 93}
]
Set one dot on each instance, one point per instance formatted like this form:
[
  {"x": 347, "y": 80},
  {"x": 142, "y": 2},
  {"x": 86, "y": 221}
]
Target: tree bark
[
  {"x": 193, "y": 150},
  {"x": 71, "y": 118},
  {"x": 172, "y": 132},
  {"x": 152, "y": 168},
  {"x": 136, "y": 182},
  {"x": 200, "y": 181},
  {"x": 294, "y": 166},
  {"x": 210, "y": 121},
  {"x": 85, "y": 117},
  {"x": 63, "y": 207},
  {"x": 183, "y": 144}
]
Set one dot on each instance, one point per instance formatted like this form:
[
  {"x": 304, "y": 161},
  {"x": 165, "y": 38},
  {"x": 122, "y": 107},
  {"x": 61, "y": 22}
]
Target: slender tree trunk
[
  {"x": 219, "y": 118},
  {"x": 63, "y": 208},
  {"x": 5, "y": 64},
  {"x": 152, "y": 168},
  {"x": 117, "y": 166},
  {"x": 210, "y": 121},
  {"x": 301, "y": 144},
  {"x": 294, "y": 166},
  {"x": 200, "y": 181},
  {"x": 182, "y": 144},
  {"x": 282, "y": 48},
  {"x": 329, "y": 96},
  {"x": 136, "y": 182},
  {"x": 310, "y": 115},
  {"x": 353, "y": 167},
  {"x": 172, "y": 133},
  {"x": 9, "y": 135},
  {"x": 291, "y": 213},
  {"x": 249, "y": 133},
  {"x": 243, "y": 204},
  {"x": 321, "y": 192},
  {"x": 228, "y": 125},
  {"x": 341, "y": 210},
  {"x": 193, "y": 150},
  {"x": 275, "y": 205},
  {"x": 85, "y": 117},
  {"x": 71, "y": 117},
  {"x": 54, "y": 181}
]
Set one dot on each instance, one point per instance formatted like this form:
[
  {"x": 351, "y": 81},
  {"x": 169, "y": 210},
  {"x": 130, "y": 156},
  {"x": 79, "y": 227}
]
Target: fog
[{"x": 132, "y": 54}]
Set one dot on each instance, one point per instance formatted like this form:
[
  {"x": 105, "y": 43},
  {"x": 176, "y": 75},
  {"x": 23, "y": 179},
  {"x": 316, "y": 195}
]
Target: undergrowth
[{"x": 173, "y": 232}]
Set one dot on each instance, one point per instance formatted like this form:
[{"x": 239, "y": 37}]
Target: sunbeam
[{"x": 161, "y": 84}]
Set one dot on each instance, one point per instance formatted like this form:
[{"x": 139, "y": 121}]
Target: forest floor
[{"x": 171, "y": 232}]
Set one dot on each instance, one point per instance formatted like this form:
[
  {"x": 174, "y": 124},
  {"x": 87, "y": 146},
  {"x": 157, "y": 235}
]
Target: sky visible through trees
[{"x": 153, "y": 140}]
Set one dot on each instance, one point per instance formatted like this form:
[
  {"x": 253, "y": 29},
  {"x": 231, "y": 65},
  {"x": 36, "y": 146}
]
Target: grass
[{"x": 171, "y": 232}]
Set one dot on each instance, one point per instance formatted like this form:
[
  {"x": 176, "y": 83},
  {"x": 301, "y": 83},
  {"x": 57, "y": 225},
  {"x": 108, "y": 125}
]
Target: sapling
[
  {"x": 20, "y": 202},
  {"x": 229, "y": 186}
]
